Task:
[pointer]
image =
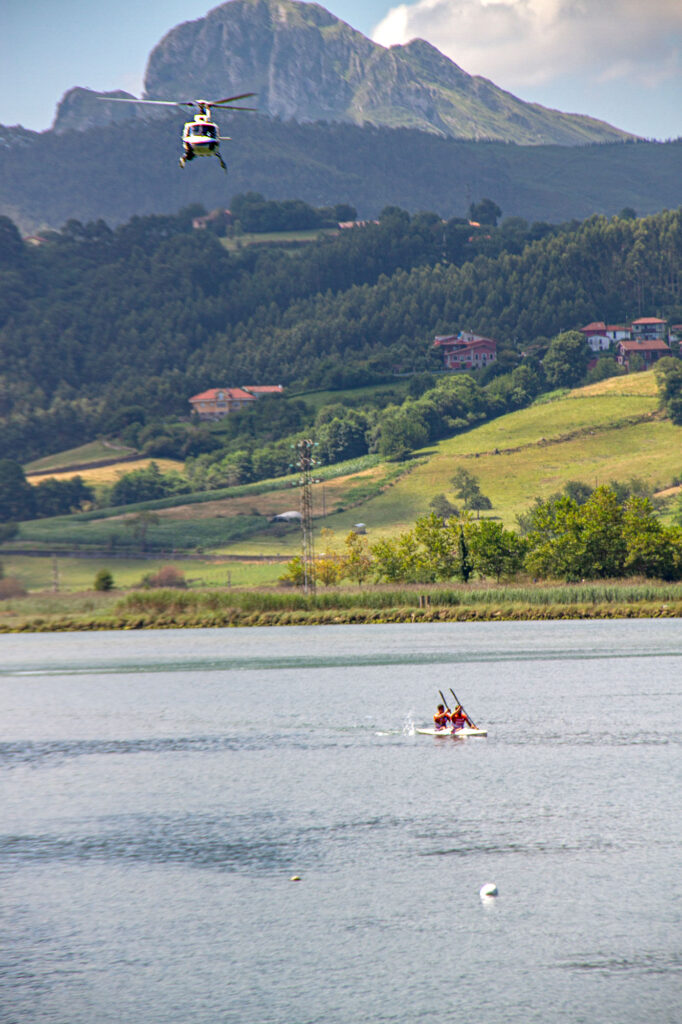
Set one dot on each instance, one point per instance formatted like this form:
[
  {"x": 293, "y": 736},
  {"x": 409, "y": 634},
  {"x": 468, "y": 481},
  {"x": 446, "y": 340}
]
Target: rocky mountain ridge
[{"x": 307, "y": 65}]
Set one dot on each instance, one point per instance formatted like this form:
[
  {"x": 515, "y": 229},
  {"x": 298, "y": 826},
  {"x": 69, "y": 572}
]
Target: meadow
[
  {"x": 109, "y": 473},
  {"x": 608, "y": 431},
  {"x": 612, "y": 430},
  {"x": 93, "y": 451},
  {"x": 212, "y": 520},
  {"x": 77, "y": 575},
  {"x": 280, "y": 239}
]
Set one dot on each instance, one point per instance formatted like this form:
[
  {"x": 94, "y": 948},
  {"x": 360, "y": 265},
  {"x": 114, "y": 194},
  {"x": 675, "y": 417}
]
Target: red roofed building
[
  {"x": 218, "y": 402},
  {"x": 600, "y": 336},
  {"x": 650, "y": 351},
  {"x": 466, "y": 351},
  {"x": 596, "y": 336},
  {"x": 648, "y": 328}
]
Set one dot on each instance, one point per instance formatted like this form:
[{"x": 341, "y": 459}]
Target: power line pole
[{"x": 305, "y": 463}]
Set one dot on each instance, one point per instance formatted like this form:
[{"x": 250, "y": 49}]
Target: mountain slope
[
  {"x": 307, "y": 65},
  {"x": 120, "y": 170},
  {"x": 609, "y": 431}
]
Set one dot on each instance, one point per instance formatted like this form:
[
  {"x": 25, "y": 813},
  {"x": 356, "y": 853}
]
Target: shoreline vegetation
[{"x": 214, "y": 608}]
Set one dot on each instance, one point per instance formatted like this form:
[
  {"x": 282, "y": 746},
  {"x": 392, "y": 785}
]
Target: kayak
[{"x": 448, "y": 732}]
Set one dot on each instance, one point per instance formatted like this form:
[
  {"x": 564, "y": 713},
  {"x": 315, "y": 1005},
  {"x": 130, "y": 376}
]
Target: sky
[{"x": 617, "y": 60}]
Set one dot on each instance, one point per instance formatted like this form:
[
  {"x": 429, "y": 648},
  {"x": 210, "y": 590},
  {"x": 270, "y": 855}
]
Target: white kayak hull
[{"x": 459, "y": 734}]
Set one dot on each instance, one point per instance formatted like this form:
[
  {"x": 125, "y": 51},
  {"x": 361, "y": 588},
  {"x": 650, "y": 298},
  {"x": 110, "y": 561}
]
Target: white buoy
[{"x": 487, "y": 890}]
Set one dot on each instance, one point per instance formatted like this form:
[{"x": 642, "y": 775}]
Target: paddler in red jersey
[
  {"x": 459, "y": 719},
  {"x": 441, "y": 719}
]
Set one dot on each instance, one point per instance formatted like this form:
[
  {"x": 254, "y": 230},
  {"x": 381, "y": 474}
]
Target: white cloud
[{"x": 526, "y": 43}]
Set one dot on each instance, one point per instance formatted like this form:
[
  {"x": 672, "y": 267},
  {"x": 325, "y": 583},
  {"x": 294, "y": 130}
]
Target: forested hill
[
  {"x": 120, "y": 170},
  {"x": 98, "y": 321}
]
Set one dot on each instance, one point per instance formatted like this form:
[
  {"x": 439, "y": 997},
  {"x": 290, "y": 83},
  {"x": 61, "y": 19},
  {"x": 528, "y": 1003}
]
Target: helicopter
[{"x": 200, "y": 136}]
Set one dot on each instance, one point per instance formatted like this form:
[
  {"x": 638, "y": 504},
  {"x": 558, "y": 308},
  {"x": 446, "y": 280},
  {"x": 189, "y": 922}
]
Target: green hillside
[
  {"x": 612, "y": 430},
  {"x": 609, "y": 431},
  {"x": 108, "y": 333}
]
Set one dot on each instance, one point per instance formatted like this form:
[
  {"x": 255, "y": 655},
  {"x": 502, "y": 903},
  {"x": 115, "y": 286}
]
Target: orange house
[
  {"x": 466, "y": 351},
  {"x": 218, "y": 402}
]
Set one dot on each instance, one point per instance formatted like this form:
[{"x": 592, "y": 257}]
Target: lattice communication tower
[{"x": 305, "y": 462}]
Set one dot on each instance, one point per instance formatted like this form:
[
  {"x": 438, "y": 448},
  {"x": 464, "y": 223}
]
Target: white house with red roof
[
  {"x": 466, "y": 351},
  {"x": 596, "y": 336},
  {"x": 218, "y": 402},
  {"x": 600, "y": 336},
  {"x": 649, "y": 328}
]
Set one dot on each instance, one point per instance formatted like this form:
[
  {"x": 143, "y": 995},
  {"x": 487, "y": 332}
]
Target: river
[{"x": 158, "y": 791}]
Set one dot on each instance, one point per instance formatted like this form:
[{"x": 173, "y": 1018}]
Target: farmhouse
[
  {"x": 216, "y": 218},
  {"x": 648, "y": 328},
  {"x": 650, "y": 351},
  {"x": 600, "y": 336},
  {"x": 218, "y": 402},
  {"x": 466, "y": 351}
]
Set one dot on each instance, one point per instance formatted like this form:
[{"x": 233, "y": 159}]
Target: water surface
[{"x": 159, "y": 789}]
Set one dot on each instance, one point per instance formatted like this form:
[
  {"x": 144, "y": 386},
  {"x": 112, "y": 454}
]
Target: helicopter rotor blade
[
  {"x": 158, "y": 103},
  {"x": 231, "y": 99}
]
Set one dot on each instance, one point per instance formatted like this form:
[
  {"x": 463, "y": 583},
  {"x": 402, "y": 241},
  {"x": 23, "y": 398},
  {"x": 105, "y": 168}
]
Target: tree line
[
  {"x": 101, "y": 329},
  {"x": 600, "y": 537},
  {"x": 256, "y": 443}
]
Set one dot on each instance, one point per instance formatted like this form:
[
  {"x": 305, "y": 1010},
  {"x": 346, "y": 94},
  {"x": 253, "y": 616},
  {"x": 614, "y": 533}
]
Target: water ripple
[
  {"x": 192, "y": 841},
  {"x": 15, "y": 754},
  {"x": 643, "y": 963}
]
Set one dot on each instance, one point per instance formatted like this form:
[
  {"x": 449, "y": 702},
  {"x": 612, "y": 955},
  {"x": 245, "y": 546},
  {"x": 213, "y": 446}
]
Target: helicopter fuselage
[{"x": 201, "y": 136}]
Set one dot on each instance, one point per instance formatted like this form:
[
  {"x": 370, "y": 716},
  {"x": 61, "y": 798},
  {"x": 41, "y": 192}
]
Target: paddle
[
  {"x": 463, "y": 708},
  {"x": 444, "y": 702}
]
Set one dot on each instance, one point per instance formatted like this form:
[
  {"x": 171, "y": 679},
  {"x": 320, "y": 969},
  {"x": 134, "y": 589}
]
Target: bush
[
  {"x": 11, "y": 587},
  {"x": 167, "y": 576},
  {"x": 104, "y": 580}
]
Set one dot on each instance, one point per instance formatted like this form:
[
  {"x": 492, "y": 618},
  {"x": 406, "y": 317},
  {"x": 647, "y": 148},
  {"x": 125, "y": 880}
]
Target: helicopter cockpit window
[{"x": 203, "y": 129}]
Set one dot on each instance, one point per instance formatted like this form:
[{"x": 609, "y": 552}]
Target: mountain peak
[
  {"x": 305, "y": 64},
  {"x": 80, "y": 109}
]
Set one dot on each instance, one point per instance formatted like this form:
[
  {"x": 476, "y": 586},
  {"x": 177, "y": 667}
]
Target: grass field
[
  {"x": 110, "y": 473},
  {"x": 610, "y": 430},
  {"x": 211, "y": 520},
  {"x": 607, "y": 431},
  {"x": 94, "y": 451},
  {"x": 279, "y": 238},
  {"x": 78, "y": 574},
  {"x": 396, "y": 391}
]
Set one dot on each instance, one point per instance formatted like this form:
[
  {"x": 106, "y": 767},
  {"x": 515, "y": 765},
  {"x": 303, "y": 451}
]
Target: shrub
[
  {"x": 104, "y": 580},
  {"x": 11, "y": 587},
  {"x": 167, "y": 576}
]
